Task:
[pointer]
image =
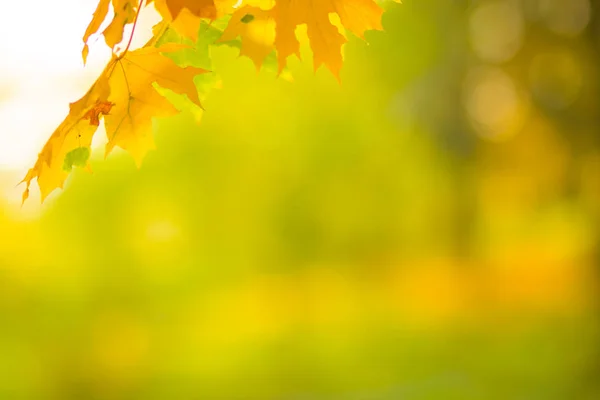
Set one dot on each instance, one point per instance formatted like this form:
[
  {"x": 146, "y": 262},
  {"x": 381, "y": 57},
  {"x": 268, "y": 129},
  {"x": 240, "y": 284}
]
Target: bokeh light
[
  {"x": 496, "y": 30},
  {"x": 496, "y": 108},
  {"x": 566, "y": 17}
]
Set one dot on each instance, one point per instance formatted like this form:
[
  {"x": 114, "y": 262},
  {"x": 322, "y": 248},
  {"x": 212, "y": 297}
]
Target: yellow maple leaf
[
  {"x": 284, "y": 16},
  {"x": 74, "y": 132},
  {"x": 325, "y": 38},
  {"x": 129, "y": 125},
  {"x": 125, "y": 98}
]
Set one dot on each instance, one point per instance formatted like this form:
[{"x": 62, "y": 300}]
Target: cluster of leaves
[{"x": 135, "y": 85}]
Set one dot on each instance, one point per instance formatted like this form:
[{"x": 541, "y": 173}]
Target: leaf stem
[{"x": 137, "y": 15}]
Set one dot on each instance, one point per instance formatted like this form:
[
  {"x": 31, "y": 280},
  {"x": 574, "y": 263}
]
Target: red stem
[{"x": 133, "y": 28}]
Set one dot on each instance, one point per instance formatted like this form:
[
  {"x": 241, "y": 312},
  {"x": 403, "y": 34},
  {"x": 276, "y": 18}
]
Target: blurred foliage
[{"x": 427, "y": 230}]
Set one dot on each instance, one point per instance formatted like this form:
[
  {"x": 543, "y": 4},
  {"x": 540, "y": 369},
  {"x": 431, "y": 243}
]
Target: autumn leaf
[
  {"x": 267, "y": 25},
  {"x": 75, "y": 131},
  {"x": 125, "y": 98},
  {"x": 129, "y": 125}
]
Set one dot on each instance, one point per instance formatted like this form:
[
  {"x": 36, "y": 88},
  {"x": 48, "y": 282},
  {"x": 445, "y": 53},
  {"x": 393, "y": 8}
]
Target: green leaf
[
  {"x": 246, "y": 19},
  {"x": 77, "y": 157}
]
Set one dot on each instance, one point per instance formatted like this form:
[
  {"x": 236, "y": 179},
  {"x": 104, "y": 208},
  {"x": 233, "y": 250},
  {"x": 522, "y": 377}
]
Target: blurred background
[{"x": 429, "y": 229}]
